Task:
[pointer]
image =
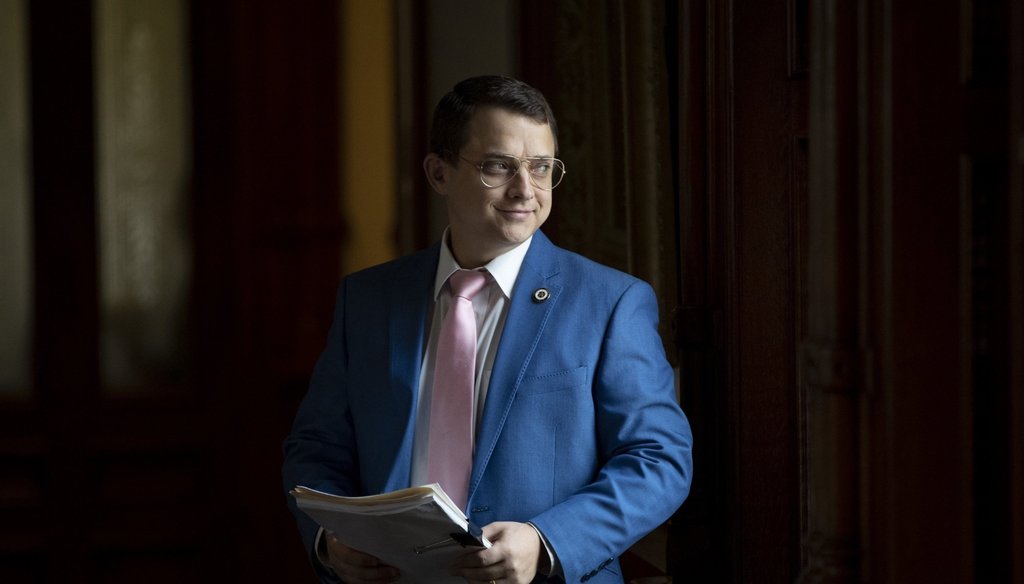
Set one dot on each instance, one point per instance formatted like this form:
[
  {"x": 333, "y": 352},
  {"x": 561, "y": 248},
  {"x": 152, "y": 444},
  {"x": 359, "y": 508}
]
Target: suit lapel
[
  {"x": 408, "y": 317},
  {"x": 523, "y": 328}
]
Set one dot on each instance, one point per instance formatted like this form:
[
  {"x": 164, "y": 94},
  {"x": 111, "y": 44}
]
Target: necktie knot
[{"x": 466, "y": 283}]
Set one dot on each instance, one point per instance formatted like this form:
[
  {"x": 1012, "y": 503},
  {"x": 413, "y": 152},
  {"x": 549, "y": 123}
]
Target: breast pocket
[{"x": 551, "y": 382}]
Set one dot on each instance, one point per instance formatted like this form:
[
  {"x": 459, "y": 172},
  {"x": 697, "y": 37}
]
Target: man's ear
[{"x": 437, "y": 172}]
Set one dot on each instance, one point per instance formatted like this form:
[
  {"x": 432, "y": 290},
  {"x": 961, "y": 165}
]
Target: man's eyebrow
[{"x": 495, "y": 153}]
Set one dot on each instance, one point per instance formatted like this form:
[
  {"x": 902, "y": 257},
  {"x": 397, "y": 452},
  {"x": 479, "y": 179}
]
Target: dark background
[{"x": 837, "y": 243}]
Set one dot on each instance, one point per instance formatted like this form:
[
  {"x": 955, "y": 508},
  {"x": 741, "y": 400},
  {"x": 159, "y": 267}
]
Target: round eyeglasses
[{"x": 498, "y": 170}]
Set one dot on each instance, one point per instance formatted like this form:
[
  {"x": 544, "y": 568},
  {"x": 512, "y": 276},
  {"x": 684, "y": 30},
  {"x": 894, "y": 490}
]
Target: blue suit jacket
[{"x": 580, "y": 435}]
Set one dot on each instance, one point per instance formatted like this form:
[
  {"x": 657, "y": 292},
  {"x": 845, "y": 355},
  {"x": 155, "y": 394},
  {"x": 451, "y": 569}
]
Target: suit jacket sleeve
[{"x": 320, "y": 450}]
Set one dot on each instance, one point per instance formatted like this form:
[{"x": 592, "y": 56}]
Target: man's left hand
[{"x": 511, "y": 559}]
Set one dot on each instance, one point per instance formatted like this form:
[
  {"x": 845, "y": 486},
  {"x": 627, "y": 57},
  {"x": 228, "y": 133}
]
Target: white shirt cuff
[
  {"x": 554, "y": 568},
  {"x": 320, "y": 549}
]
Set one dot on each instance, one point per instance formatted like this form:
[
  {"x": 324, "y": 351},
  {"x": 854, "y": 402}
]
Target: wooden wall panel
[
  {"x": 909, "y": 121},
  {"x": 768, "y": 112},
  {"x": 697, "y": 546},
  {"x": 831, "y": 355},
  {"x": 269, "y": 233}
]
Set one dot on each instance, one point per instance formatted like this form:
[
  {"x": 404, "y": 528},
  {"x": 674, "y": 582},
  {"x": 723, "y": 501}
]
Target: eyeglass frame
[{"x": 520, "y": 161}]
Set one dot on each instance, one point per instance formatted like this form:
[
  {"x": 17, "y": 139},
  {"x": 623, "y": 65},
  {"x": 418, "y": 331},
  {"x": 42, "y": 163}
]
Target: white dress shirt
[{"x": 490, "y": 306}]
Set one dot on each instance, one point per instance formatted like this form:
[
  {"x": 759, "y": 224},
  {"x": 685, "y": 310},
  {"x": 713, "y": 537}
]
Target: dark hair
[{"x": 456, "y": 108}]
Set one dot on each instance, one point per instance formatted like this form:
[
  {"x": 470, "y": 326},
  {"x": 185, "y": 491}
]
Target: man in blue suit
[{"x": 579, "y": 447}]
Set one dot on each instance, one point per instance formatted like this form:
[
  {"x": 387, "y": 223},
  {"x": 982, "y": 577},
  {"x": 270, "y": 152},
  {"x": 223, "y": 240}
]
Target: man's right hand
[{"x": 355, "y": 567}]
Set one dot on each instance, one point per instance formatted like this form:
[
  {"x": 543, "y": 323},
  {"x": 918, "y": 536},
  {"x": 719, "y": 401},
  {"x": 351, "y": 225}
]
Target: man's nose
[{"x": 521, "y": 186}]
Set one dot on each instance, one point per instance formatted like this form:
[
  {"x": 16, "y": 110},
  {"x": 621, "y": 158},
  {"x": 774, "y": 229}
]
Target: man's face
[{"x": 488, "y": 221}]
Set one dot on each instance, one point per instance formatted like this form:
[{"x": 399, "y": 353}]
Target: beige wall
[{"x": 368, "y": 136}]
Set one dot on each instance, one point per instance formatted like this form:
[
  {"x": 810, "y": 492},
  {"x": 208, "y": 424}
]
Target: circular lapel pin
[{"x": 540, "y": 295}]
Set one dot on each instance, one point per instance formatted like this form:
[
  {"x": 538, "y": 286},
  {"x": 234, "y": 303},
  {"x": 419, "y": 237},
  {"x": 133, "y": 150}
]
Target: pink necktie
[{"x": 450, "y": 450}]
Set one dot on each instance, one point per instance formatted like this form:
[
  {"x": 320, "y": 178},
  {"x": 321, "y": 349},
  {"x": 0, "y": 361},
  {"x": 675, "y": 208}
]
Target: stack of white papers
[{"x": 417, "y": 530}]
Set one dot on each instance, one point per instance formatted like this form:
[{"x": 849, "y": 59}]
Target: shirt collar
[{"x": 504, "y": 268}]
